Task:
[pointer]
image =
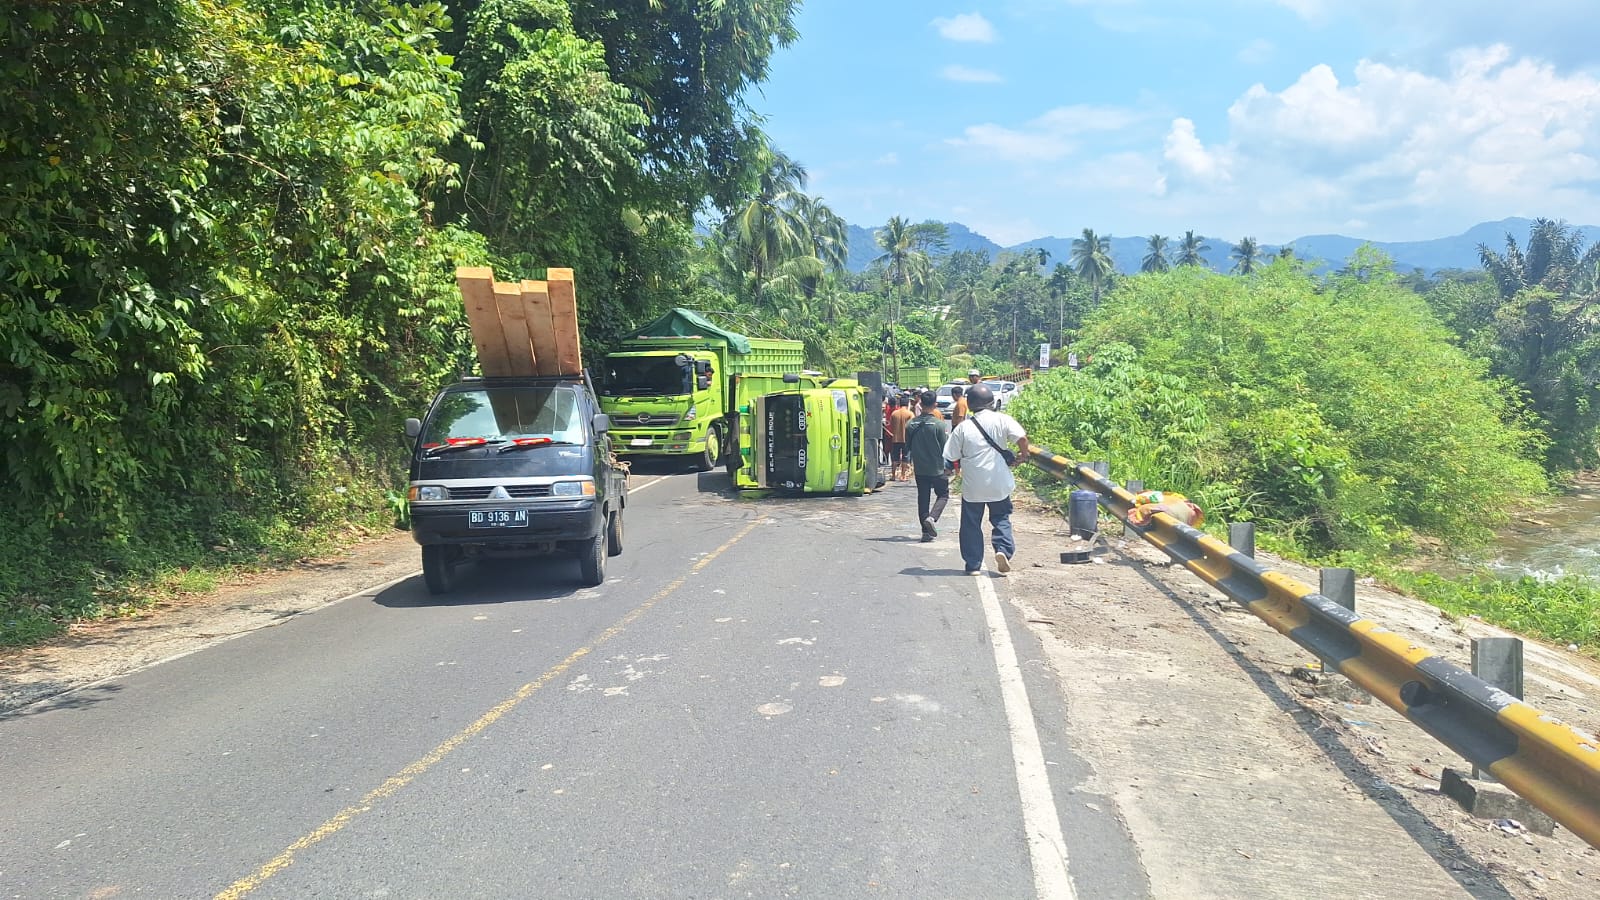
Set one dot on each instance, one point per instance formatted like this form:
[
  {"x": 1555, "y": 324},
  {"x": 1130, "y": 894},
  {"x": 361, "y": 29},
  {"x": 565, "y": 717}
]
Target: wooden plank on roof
[
  {"x": 564, "y": 319},
  {"x": 514, "y": 323},
  {"x": 477, "y": 291},
  {"x": 536, "y": 303}
]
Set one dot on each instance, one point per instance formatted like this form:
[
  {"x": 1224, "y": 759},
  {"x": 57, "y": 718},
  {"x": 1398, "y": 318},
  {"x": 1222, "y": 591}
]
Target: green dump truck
[
  {"x": 807, "y": 433},
  {"x": 920, "y": 377},
  {"x": 670, "y": 388}
]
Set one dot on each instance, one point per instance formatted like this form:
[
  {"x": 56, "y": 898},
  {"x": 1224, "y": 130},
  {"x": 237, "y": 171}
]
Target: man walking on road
[
  {"x": 958, "y": 407},
  {"x": 897, "y": 440},
  {"x": 986, "y": 479},
  {"x": 925, "y": 437}
]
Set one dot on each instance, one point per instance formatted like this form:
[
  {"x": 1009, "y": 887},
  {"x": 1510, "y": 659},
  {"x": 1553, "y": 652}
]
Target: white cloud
[
  {"x": 1553, "y": 29},
  {"x": 888, "y": 159},
  {"x": 966, "y": 27},
  {"x": 1494, "y": 134},
  {"x": 968, "y": 74},
  {"x": 1049, "y": 137},
  {"x": 1192, "y": 161}
]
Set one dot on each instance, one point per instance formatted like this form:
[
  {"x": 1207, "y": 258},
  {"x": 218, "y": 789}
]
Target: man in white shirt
[{"x": 986, "y": 480}]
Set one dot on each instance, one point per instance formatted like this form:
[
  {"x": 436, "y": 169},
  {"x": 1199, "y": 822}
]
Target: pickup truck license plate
[
  {"x": 497, "y": 518},
  {"x": 641, "y": 442}
]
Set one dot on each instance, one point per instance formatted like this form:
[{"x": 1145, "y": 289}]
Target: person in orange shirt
[
  {"x": 958, "y": 406},
  {"x": 897, "y": 441}
]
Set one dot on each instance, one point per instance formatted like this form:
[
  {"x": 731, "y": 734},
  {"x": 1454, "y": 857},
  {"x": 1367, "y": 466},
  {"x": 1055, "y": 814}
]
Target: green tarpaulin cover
[{"x": 687, "y": 323}]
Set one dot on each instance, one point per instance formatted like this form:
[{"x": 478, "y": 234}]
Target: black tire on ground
[
  {"x": 436, "y": 569},
  {"x": 730, "y": 455},
  {"x": 614, "y": 534},
  {"x": 592, "y": 560},
  {"x": 708, "y": 460}
]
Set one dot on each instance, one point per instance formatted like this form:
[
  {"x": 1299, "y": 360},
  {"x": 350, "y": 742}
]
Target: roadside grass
[{"x": 91, "y": 583}]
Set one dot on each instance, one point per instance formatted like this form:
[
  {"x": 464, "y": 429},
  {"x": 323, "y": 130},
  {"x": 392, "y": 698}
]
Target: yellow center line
[{"x": 409, "y": 774}]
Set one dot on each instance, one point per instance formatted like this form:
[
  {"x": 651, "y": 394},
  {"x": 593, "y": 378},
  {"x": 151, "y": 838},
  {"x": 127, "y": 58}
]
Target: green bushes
[{"x": 1335, "y": 412}]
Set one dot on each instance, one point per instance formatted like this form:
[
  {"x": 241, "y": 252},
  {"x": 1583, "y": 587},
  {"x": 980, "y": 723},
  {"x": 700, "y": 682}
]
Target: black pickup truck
[{"x": 515, "y": 467}]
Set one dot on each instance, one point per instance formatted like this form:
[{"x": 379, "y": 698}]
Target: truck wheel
[
  {"x": 614, "y": 534},
  {"x": 592, "y": 560},
  {"x": 708, "y": 460},
  {"x": 436, "y": 570}
]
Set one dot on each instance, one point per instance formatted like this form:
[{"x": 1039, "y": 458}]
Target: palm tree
[
  {"x": 1155, "y": 257},
  {"x": 1551, "y": 259},
  {"x": 1246, "y": 256},
  {"x": 1190, "y": 248},
  {"x": 898, "y": 240},
  {"x": 769, "y": 228},
  {"x": 1091, "y": 255},
  {"x": 827, "y": 233}
]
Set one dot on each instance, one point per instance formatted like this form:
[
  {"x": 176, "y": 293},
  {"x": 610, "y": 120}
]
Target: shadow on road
[
  {"x": 919, "y": 570},
  {"x": 67, "y": 700},
  {"x": 1475, "y": 879},
  {"x": 491, "y": 581}
]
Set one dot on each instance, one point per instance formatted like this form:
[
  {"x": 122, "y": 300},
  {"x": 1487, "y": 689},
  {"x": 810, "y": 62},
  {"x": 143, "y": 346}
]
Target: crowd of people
[{"x": 924, "y": 448}]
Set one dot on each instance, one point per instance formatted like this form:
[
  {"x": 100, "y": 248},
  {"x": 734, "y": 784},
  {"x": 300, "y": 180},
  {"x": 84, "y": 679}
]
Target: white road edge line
[
  {"x": 1047, "y": 849},
  {"x": 635, "y": 490}
]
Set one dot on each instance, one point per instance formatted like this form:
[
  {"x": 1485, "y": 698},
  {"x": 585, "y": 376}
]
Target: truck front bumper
[
  {"x": 566, "y": 520},
  {"x": 656, "y": 443}
]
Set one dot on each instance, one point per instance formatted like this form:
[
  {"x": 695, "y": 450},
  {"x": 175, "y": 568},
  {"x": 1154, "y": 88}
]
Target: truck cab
[
  {"x": 514, "y": 467},
  {"x": 811, "y": 438},
  {"x": 666, "y": 403}
]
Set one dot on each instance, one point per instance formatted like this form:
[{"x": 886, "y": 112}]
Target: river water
[{"x": 1558, "y": 537}]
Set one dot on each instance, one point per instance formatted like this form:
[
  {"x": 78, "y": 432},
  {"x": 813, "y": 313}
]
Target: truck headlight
[
  {"x": 426, "y": 492},
  {"x": 842, "y": 482},
  {"x": 689, "y": 416},
  {"x": 572, "y": 489}
]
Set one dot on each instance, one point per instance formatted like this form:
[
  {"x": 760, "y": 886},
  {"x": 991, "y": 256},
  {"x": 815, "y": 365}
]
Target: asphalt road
[{"x": 765, "y": 699}]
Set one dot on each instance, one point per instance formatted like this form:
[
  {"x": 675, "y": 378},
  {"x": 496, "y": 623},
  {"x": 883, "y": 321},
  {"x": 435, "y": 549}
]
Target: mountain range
[{"x": 1326, "y": 250}]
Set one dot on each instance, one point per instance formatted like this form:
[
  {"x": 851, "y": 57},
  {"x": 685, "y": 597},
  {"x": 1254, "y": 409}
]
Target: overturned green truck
[{"x": 807, "y": 433}]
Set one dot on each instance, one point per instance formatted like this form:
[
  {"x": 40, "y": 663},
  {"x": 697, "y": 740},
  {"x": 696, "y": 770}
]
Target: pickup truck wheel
[
  {"x": 592, "y": 560},
  {"x": 713, "y": 454},
  {"x": 436, "y": 569},
  {"x": 614, "y": 534}
]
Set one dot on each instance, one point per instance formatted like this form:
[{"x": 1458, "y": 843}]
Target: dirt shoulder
[
  {"x": 1238, "y": 780},
  {"x": 93, "y": 651}
]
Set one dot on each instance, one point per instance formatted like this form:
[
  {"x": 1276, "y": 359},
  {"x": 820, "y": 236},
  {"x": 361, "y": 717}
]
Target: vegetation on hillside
[{"x": 231, "y": 228}]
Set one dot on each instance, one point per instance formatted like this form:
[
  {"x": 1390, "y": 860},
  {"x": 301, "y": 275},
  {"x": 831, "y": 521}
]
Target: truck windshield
[
  {"x": 652, "y": 375},
  {"x": 500, "y": 414}
]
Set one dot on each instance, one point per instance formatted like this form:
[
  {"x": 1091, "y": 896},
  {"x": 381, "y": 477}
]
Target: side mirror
[
  {"x": 601, "y": 422},
  {"x": 703, "y": 366},
  {"x": 791, "y": 378},
  {"x": 704, "y": 381},
  {"x": 682, "y": 359},
  {"x": 413, "y": 427}
]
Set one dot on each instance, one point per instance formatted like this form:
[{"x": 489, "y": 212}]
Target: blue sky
[{"x": 1382, "y": 119}]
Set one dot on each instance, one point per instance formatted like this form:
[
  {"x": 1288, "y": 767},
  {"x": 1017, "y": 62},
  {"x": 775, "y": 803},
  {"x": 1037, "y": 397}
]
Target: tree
[
  {"x": 1246, "y": 256},
  {"x": 1091, "y": 256},
  {"x": 1190, "y": 250},
  {"x": 769, "y": 228},
  {"x": 1155, "y": 257}
]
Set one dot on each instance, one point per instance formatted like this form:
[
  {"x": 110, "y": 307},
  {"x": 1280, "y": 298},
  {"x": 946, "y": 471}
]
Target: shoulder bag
[{"x": 1007, "y": 455}]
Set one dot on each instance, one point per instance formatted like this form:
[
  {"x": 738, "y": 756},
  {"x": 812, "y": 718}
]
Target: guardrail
[{"x": 1550, "y": 764}]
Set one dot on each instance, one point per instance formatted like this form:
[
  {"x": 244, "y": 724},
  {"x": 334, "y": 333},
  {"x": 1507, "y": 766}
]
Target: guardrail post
[
  {"x": 1497, "y": 660},
  {"x": 1242, "y": 537},
  {"x": 1101, "y": 468},
  {"x": 1134, "y": 486},
  {"x": 1339, "y": 585}
]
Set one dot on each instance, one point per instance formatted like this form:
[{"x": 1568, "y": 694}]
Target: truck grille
[
  {"x": 517, "y": 491},
  {"x": 645, "y": 420}
]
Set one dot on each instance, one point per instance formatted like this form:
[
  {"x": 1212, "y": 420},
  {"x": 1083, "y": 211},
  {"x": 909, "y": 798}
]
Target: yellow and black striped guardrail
[{"x": 1550, "y": 764}]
